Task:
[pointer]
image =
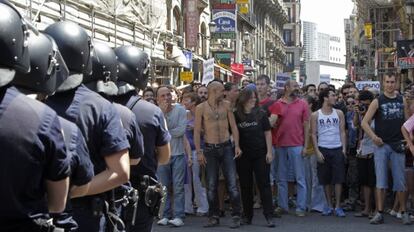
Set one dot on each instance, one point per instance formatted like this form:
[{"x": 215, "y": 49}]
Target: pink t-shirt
[
  {"x": 409, "y": 125},
  {"x": 288, "y": 131}
]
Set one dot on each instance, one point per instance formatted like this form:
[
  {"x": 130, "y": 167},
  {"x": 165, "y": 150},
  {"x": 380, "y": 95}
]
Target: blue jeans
[
  {"x": 172, "y": 176},
  {"x": 217, "y": 157},
  {"x": 383, "y": 155},
  {"x": 315, "y": 192},
  {"x": 291, "y": 156}
]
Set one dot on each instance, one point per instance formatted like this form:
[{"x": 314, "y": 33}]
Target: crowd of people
[{"x": 316, "y": 148}]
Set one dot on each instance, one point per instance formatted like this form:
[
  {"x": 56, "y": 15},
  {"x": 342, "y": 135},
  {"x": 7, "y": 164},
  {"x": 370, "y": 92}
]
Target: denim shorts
[{"x": 383, "y": 155}]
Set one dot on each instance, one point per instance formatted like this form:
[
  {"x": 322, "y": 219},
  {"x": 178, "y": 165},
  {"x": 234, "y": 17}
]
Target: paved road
[{"x": 290, "y": 223}]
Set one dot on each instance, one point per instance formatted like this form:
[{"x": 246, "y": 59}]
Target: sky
[{"x": 328, "y": 14}]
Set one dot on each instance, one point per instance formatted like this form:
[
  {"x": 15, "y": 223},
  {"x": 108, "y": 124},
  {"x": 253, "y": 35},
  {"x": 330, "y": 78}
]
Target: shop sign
[
  {"x": 186, "y": 76},
  {"x": 225, "y": 20}
]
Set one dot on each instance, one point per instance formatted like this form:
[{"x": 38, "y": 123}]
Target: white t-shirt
[{"x": 329, "y": 135}]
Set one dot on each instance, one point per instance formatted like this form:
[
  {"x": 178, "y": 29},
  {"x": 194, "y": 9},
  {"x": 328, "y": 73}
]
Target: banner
[
  {"x": 371, "y": 84},
  {"x": 368, "y": 31},
  {"x": 208, "y": 71},
  {"x": 281, "y": 78},
  {"x": 192, "y": 20},
  {"x": 325, "y": 78},
  {"x": 405, "y": 54},
  {"x": 189, "y": 59}
]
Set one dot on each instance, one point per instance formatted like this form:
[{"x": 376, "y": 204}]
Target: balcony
[
  {"x": 250, "y": 19},
  {"x": 202, "y": 4}
]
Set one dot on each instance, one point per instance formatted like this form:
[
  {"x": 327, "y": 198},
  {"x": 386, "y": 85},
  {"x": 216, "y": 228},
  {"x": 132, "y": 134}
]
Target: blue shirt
[
  {"x": 151, "y": 121},
  {"x": 97, "y": 119},
  {"x": 132, "y": 131},
  {"x": 77, "y": 150},
  {"x": 32, "y": 151}
]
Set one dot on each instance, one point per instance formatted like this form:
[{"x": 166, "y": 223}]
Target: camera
[{"x": 362, "y": 108}]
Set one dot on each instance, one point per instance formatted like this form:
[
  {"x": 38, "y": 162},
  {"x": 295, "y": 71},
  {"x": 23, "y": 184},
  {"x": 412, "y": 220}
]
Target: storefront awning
[{"x": 165, "y": 62}]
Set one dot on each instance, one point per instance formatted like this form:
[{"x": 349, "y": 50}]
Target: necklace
[{"x": 215, "y": 111}]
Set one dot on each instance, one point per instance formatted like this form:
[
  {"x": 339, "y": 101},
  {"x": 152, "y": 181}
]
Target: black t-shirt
[
  {"x": 32, "y": 151},
  {"x": 97, "y": 119},
  {"x": 389, "y": 118},
  {"x": 251, "y": 132},
  {"x": 151, "y": 121},
  {"x": 132, "y": 131}
]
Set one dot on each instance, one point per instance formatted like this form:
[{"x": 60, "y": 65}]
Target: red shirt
[
  {"x": 288, "y": 131},
  {"x": 264, "y": 101}
]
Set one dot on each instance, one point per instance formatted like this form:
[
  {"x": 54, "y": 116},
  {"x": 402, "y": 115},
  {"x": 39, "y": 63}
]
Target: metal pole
[{"x": 115, "y": 19}]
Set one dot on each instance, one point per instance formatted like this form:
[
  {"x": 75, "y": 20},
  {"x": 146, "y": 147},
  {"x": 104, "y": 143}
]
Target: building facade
[
  {"x": 372, "y": 47},
  {"x": 292, "y": 37},
  {"x": 310, "y": 41}
]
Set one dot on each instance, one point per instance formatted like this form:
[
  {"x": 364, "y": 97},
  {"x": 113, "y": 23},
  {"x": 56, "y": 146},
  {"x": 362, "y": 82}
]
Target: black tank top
[{"x": 389, "y": 118}]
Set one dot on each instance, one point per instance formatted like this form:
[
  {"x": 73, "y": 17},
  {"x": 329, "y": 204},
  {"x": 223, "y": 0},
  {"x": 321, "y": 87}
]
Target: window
[
  {"x": 287, "y": 37},
  {"x": 176, "y": 21}
]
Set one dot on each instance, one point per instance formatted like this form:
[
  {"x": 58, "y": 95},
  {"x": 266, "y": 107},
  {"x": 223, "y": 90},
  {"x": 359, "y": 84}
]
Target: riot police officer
[
  {"x": 97, "y": 119},
  {"x": 33, "y": 160},
  {"x": 48, "y": 70},
  {"x": 102, "y": 80},
  {"x": 133, "y": 73}
]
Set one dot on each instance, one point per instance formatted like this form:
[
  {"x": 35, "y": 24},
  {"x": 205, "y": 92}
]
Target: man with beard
[
  {"x": 290, "y": 118},
  {"x": 215, "y": 116},
  {"x": 202, "y": 93}
]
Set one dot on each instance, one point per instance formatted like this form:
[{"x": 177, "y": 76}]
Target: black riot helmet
[
  {"x": 48, "y": 69},
  {"x": 133, "y": 68},
  {"x": 14, "y": 55},
  {"x": 104, "y": 70},
  {"x": 76, "y": 48}
]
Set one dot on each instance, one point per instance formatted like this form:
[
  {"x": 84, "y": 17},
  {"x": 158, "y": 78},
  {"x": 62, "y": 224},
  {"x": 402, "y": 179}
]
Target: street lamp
[{"x": 212, "y": 25}]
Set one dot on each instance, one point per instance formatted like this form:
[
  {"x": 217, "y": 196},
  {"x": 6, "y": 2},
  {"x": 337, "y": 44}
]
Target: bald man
[{"x": 215, "y": 116}]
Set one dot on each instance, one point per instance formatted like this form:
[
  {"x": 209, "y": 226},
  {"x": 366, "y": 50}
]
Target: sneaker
[
  {"x": 212, "y": 222},
  {"x": 292, "y": 202},
  {"x": 327, "y": 211},
  {"x": 177, "y": 222},
  {"x": 339, "y": 212},
  {"x": 257, "y": 205},
  {"x": 222, "y": 213},
  {"x": 406, "y": 220},
  {"x": 246, "y": 221},
  {"x": 393, "y": 213},
  {"x": 399, "y": 215},
  {"x": 300, "y": 213},
  {"x": 270, "y": 222},
  {"x": 235, "y": 222},
  {"x": 163, "y": 222},
  {"x": 201, "y": 214},
  {"x": 377, "y": 219},
  {"x": 280, "y": 211}
]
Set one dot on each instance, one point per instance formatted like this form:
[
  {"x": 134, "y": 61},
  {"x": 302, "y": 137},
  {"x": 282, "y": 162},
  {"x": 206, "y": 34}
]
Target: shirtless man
[{"x": 215, "y": 116}]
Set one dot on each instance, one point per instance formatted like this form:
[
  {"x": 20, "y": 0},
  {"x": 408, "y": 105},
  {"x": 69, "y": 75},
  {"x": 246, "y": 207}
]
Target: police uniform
[
  {"x": 101, "y": 126},
  {"x": 81, "y": 170},
  {"x": 32, "y": 151},
  {"x": 132, "y": 131},
  {"x": 152, "y": 123}
]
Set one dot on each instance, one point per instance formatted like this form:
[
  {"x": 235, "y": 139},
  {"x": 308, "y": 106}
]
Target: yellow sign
[
  {"x": 368, "y": 31},
  {"x": 242, "y": 1},
  {"x": 244, "y": 9},
  {"x": 186, "y": 76}
]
